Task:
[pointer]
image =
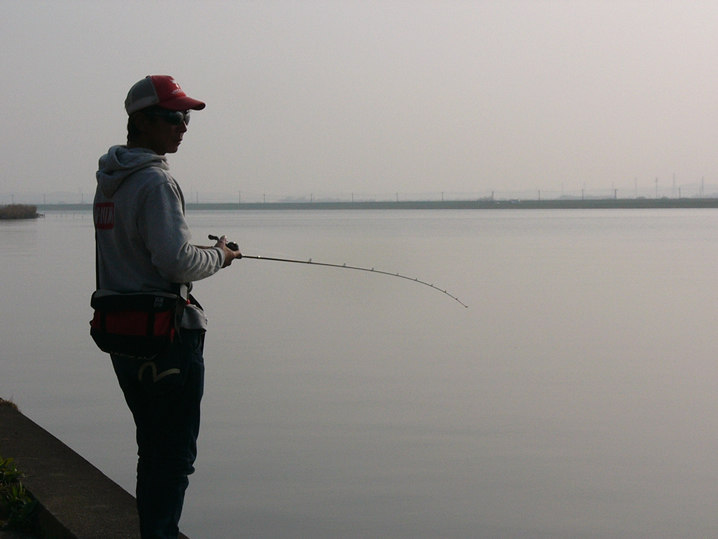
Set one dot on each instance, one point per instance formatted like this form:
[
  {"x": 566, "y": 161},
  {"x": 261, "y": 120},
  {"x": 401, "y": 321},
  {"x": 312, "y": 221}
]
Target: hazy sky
[{"x": 369, "y": 97}]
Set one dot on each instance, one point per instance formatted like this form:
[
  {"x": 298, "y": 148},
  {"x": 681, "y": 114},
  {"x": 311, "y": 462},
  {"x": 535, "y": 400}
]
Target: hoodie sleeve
[{"x": 162, "y": 224}]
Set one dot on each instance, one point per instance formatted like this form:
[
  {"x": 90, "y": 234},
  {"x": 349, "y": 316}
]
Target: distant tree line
[{"x": 18, "y": 211}]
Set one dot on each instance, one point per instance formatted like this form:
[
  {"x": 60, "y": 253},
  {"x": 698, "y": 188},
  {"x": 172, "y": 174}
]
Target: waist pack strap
[
  {"x": 184, "y": 300},
  {"x": 183, "y": 292}
]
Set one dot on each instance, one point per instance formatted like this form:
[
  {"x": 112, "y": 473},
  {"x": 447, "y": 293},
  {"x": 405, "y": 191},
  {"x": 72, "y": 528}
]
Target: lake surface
[{"x": 576, "y": 397}]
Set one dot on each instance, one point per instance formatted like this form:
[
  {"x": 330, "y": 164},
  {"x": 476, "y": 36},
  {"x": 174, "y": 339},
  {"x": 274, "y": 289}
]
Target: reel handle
[{"x": 230, "y": 244}]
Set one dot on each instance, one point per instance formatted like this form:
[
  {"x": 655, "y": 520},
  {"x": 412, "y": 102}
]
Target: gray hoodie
[{"x": 143, "y": 241}]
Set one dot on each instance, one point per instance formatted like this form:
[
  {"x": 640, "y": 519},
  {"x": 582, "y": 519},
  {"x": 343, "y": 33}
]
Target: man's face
[{"x": 161, "y": 136}]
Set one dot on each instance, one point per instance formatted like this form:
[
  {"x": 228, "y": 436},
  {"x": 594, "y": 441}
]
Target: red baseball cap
[{"x": 161, "y": 90}]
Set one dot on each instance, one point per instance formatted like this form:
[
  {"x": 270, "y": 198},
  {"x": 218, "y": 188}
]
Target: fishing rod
[{"x": 234, "y": 247}]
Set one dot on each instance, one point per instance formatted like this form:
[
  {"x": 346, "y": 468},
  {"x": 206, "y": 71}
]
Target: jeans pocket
[{"x": 165, "y": 372}]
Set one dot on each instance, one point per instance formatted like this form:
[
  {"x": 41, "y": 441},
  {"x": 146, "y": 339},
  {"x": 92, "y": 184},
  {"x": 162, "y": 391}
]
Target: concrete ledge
[{"x": 77, "y": 500}]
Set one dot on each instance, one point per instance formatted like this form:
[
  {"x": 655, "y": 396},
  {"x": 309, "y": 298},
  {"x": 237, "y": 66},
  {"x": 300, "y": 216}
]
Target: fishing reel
[{"x": 232, "y": 246}]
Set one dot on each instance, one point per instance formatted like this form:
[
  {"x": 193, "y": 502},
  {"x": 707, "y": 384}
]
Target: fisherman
[{"x": 143, "y": 245}]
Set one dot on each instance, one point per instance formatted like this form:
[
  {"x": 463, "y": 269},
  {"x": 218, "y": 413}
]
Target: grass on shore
[
  {"x": 9, "y": 403},
  {"x": 17, "y": 506},
  {"x": 18, "y": 211}
]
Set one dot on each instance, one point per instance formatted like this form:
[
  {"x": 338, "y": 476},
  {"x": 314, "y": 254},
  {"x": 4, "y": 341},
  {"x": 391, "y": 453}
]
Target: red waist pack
[{"x": 137, "y": 325}]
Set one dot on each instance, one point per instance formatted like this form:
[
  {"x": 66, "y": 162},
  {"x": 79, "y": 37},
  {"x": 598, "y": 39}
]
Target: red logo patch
[{"x": 104, "y": 215}]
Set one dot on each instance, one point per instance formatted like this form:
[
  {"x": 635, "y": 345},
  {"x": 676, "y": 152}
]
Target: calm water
[{"x": 575, "y": 398}]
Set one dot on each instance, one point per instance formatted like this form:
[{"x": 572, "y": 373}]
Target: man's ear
[{"x": 140, "y": 121}]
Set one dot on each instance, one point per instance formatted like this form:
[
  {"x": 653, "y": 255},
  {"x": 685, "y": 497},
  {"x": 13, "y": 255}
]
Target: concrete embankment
[{"x": 77, "y": 501}]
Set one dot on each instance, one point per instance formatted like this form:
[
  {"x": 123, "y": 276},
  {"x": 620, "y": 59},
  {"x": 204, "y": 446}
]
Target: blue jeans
[{"x": 164, "y": 397}]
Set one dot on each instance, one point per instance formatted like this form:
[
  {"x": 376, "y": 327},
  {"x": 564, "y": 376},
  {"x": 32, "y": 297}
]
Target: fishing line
[{"x": 234, "y": 247}]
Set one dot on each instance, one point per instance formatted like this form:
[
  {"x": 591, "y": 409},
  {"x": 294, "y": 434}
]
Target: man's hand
[{"x": 229, "y": 254}]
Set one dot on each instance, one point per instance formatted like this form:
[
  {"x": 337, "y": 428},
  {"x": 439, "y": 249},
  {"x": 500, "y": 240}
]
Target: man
[{"x": 143, "y": 245}]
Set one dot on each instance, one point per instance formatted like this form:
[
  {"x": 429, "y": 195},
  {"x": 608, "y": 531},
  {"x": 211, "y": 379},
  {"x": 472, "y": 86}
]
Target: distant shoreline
[
  {"x": 18, "y": 211},
  {"x": 620, "y": 203}
]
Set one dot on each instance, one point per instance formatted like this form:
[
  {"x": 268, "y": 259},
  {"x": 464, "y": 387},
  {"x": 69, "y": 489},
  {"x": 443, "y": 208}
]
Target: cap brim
[{"x": 182, "y": 103}]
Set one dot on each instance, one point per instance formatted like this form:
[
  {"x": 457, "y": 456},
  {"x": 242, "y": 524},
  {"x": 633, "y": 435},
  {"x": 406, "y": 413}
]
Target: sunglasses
[{"x": 173, "y": 117}]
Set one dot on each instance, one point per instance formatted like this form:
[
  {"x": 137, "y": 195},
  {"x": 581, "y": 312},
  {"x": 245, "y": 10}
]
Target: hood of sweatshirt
[{"x": 120, "y": 161}]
